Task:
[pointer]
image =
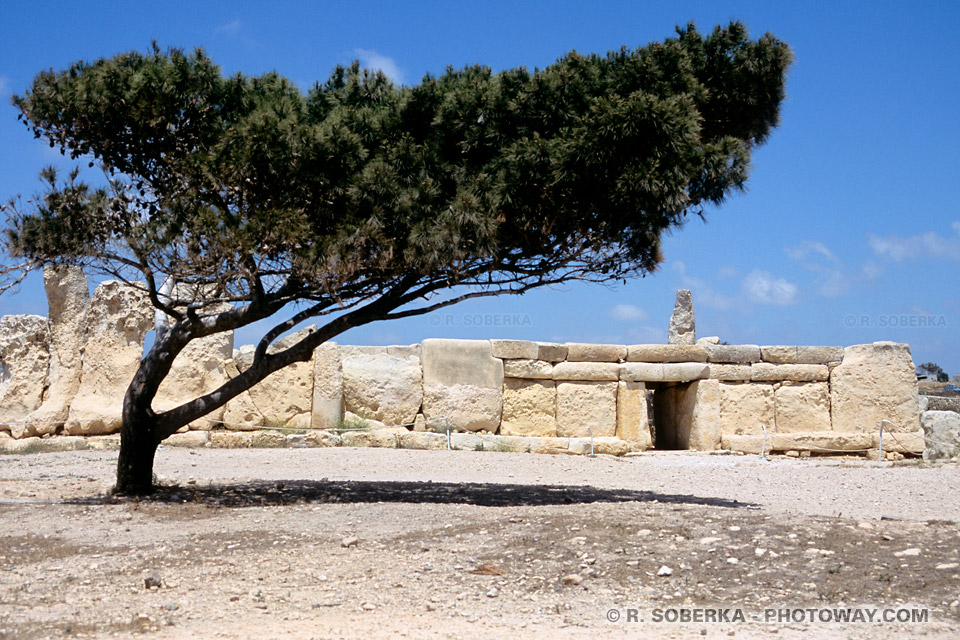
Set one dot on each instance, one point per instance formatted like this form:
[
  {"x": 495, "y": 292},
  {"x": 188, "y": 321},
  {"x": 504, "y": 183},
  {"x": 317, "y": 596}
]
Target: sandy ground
[{"x": 383, "y": 543}]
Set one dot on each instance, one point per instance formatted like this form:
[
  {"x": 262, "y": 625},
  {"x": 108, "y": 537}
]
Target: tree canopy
[{"x": 361, "y": 200}]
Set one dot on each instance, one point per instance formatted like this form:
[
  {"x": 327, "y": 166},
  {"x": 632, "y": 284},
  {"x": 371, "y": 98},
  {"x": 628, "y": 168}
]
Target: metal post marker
[{"x": 763, "y": 447}]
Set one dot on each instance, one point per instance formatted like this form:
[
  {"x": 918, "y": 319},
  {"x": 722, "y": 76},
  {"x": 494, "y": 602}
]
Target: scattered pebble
[{"x": 665, "y": 571}]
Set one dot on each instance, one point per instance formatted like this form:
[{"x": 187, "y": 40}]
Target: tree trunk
[{"x": 138, "y": 445}]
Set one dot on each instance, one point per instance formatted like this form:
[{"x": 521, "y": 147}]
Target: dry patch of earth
[{"x": 381, "y": 543}]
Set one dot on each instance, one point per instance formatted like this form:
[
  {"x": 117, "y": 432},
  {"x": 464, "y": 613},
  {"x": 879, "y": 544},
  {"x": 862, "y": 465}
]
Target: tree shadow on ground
[{"x": 287, "y": 492}]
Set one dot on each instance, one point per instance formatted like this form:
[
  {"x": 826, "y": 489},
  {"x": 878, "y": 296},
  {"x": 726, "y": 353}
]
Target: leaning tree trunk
[{"x": 138, "y": 446}]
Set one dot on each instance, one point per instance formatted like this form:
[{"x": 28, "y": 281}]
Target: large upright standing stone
[
  {"x": 68, "y": 298},
  {"x": 682, "y": 327},
  {"x": 874, "y": 382},
  {"x": 118, "y": 319},
  {"x": 24, "y": 360},
  {"x": 462, "y": 385}
]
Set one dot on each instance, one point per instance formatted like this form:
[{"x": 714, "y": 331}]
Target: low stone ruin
[{"x": 67, "y": 374}]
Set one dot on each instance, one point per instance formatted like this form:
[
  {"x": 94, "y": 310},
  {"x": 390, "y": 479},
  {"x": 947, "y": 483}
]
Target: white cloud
[
  {"x": 628, "y": 312},
  {"x": 764, "y": 288},
  {"x": 807, "y": 249},
  {"x": 231, "y": 27},
  {"x": 925, "y": 245},
  {"x": 373, "y": 60}
]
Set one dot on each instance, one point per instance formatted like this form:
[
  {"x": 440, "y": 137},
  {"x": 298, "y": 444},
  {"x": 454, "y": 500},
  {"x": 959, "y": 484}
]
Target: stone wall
[{"x": 68, "y": 374}]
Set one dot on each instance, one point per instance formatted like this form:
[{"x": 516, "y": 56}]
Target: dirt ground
[{"x": 382, "y": 543}]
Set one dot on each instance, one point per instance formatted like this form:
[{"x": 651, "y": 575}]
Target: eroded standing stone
[
  {"x": 68, "y": 298},
  {"x": 462, "y": 384},
  {"x": 874, "y": 382},
  {"x": 529, "y": 408},
  {"x": 24, "y": 361},
  {"x": 682, "y": 324},
  {"x": 586, "y": 404},
  {"x": 327, "y": 387},
  {"x": 383, "y": 387},
  {"x": 118, "y": 319}
]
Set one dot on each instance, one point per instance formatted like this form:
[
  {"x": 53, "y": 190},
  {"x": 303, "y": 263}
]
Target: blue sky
[{"x": 849, "y": 231}]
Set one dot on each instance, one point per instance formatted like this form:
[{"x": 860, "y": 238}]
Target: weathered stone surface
[
  {"x": 803, "y": 407},
  {"x": 529, "y": 408},
  {"x": 912, "y": 442},
  {"x": 68, "y": 298},
  {"x": 733, "y": 353},
  {"x": 819, "y": 355},
  {"x": 508, "y": 444},
  {"x": 285, "y": 397},
  {"x": 551, "y": 351},
  {"x": 632, "y": 419},
  {"x": 316, "y": 438},
  {"x": 462, "y": 383},
  {"x": 385, "y": 438},
  {"x": 118, "y": 319},
  {"x": 641, "y": 372},
  {"x": 779, "y": 354},
  {"x": 197, "y": 370},
  {"x": 924, "y": 404},
  {"x": 941, "y": 403},
  {"x": 240, "y": 413},
  {"x": 744, "y": 407},
  {"x": 511, "y": 349},
  {"x": 383, "y": 387},
  {"x": 705, "y": 428},
  {"x": 584, "y": 352},
  {"x": 550, "y": 445},
  {"x": 684, "y": 371},
  {"x": 942, "y": 432},
  {"x": 614, "y": 446},
  {"x": 708, "y": 340},
  {"x": 767, "y": 372},
  {"x": 586, "y": 404},
  {"x": 189, "y": 440},
  {"x": 682, "y": 328},
  {"x": 466, "y": 442},
  {"x": 533, "y": 369},
  {"x": 666, "y": 353},
  {"x": 597, "y": 371},
  {"x": 799, "y": 442},
  {"x": 731, "y": 372},
  {"x": 423, "y": 440},
  {"x": 24, "y": 361},
  {"x": 353, "y": 421},
  {"x": 874, "y": 382},
  {"x": 327, "y": 408}
]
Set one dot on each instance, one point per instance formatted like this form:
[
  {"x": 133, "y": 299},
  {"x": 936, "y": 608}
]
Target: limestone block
[
  {"x": 68, "y": 298},
  {"x": 767, "y": 372},
  {"x": 317, "y": 438},
  {"x": 731, "y": 372},
  {"x": 24, "y": 362},
  {"x": 551, "y": 351},
  {"x": 913, "y": 443},
  {"x": 587, "y": 352},
  {"x": 941, "y": 403},
  {"x": 529, "y": 408},
  {"x": 586, "y": 404},
  {"x": 779, "y": 354},
  {"x": 632, "y": 423},
  {"x": 685, "y": 371},
  {"x": 423, "y": 440},
  {"x": 942, "y": 432},
  {"x": 745, "y": 406},
  {"x": 586, "y": 371},
  {"x": 641, "y": 372},
  {"x": 327, "y": 407},
  {"x": 247, "y": 440},
  {"x": 511, "y": 349},
  {"x": 507, "y": 444},
  {"x": 197, "y": 370},
  {"x": 240, "y": 413},
  {"x": 733, "y": 353},
  {"x": 803, "y": 407},
  {"x": 533, "y": 369},
  {"x": 466, "y": 442},
  {"x": 666, "y": 353},
  {"x": 385, "y": 438},
  {"x": 682, "y": 328},
  {"x": 816, "y": 441},
  {"x": 383, "y": 387},
  {"x": 118, "y": 319},
  {"x": 190, "y": 440},
  {"x": 549, "y": 445},
  {"x": 285, "y": 397},
  {"x": 708, "y": 340},
  {"x": 462, "y": 384},
  {"x": 353, "y": 421},
  {"x": 705, "y": 426},
  {"x": 874, "y": 382},
  {"x": 819, "y": 355}
]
